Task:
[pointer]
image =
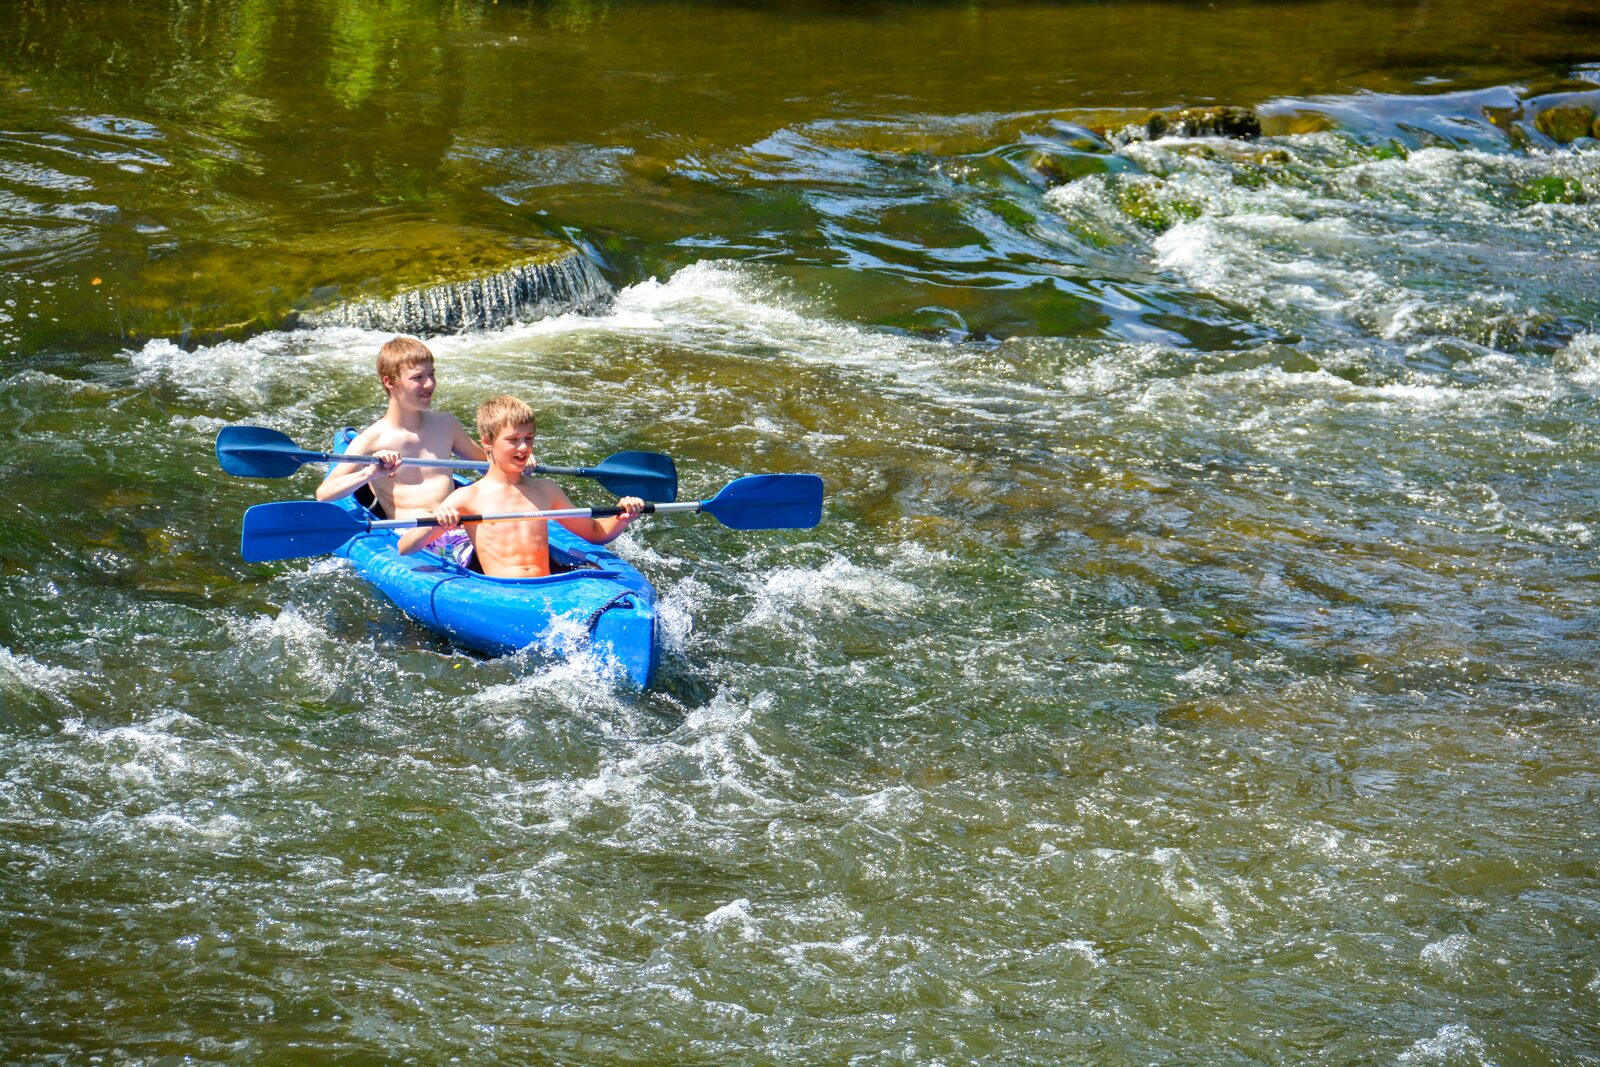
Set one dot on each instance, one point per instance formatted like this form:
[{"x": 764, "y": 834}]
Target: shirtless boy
[
  {"x": 515, "y": 548},
  {"x": 409, "y": 429}
]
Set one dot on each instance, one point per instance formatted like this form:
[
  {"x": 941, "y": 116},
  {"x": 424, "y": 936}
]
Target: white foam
[
  {"x": 838, "y": 586},
  {"x": 1204, "y": 678},
  {"x": 716, "y": 306},
  {"x": 1185, "y": 890},
  {"x": 283, "y": 373},
  {"x": 1451, "y": 1041},
  {"x": 675, "y": 612},
  {"x": 151, "y": 755},
  {"x": 1580, "y": 357},
  {"x": 219, "y": 828},
  {"x": 1087, "y": 949},
  {"x": 1448, "y": 953},
  {"x": 914, "y": 554},
  {"x": 725, "y": 306},
  {"x": 30, "y": 673},
  {"x": 735, "y": 913},
  {"x": 663, "y": 788},
  {"x": 289, "y": 625},
  {"x": 1319, "y": 839},
  {"x": 898, "y": 805},
  {"x": 38, "y": 379},
  {"x": 858, "y": 948},
  {"x": 577, "y": 675},
  {"x": 292, "y": 644},
  {"x": 205, "y": 424}
]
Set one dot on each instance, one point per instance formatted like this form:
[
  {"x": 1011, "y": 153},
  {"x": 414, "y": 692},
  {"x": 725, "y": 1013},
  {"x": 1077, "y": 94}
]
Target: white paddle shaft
[
  {"x": 559, "y": 513},
  {"x": 451, "y": 464}
]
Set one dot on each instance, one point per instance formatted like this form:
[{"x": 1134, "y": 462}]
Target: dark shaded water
[{"x": 1195, "y": 663}]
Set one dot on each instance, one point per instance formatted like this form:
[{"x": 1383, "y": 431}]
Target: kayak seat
[
  {"x": 369, "y": 500},
  {"x": 560, "y": 564}
]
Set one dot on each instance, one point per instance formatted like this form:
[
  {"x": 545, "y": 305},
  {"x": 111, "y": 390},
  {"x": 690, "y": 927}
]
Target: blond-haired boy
[
  {"x": 409, "y": 429},
  {"x": 519, "y": 548}
]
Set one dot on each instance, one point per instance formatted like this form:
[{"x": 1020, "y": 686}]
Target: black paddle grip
[{"x": 594, "y": 513}]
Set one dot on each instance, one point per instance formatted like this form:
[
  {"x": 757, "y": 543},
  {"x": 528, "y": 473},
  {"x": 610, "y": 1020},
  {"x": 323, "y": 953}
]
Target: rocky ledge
[{"x": 415, "y": 277}]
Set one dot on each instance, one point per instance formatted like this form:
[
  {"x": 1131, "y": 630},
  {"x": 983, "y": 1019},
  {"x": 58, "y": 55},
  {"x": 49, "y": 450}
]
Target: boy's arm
[
  {"x": 463, "y": 445},
  {"x": 346, "y": 478},
  {"x": 594, "y": 531},
  {"x": 447, "y": 514}
]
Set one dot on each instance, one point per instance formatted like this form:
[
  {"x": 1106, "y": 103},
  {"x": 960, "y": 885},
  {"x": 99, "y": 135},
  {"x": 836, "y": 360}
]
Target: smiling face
[
  {"x": 512, "y": 448},
  {"x": 413, "y": 386}
]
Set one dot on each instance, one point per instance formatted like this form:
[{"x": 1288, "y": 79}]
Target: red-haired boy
[{"x": 409, "y": 429}]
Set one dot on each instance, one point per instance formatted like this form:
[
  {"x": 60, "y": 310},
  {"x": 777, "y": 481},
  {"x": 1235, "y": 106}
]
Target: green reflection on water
[{"x": 527, "y": 119}]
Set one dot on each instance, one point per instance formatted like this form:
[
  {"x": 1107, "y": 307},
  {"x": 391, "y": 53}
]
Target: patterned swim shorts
[{"x": 453, "y": 546}]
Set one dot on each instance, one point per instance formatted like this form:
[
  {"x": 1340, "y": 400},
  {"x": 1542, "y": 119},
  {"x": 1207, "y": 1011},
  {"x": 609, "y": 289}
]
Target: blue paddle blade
[
  {"x": 257, "y": 452},
  {"x": 768, "y": 502},
  {"x": 293, "y": 528},
  {"x": 647, "y": 475}
]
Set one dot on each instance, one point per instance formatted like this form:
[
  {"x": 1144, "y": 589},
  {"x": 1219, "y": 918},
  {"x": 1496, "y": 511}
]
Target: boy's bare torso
[
  {"x": 510, "y": 549},
  {"x": 412, "y": 491}
]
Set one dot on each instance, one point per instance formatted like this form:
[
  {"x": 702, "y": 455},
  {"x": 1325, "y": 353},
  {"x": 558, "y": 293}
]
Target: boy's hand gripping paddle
[{"x": 295, "y": 528}]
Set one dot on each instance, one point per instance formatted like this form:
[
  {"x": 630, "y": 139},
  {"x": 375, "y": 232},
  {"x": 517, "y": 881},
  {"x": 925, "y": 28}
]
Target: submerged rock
[
  {"x": 933, "y": 322},
  {"x": 1153, "y": 205},
  {"x": 1565, "y": 123},
  {"x": 1458, "y": 120},
  {"x": 1049, "y": 170},
  {"x": 1561, "y": 117},
  {"x": 1297, "y": 122},
  {"x": 1238, "y": 122}
]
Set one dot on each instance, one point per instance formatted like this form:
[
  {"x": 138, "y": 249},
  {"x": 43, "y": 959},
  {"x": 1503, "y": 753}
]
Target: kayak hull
[{"x": 598, "y": 605}]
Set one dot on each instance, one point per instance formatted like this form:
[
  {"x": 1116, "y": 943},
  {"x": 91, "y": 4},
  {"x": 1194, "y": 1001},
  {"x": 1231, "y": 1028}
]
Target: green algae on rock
[
  {"x": 1565, "y": 123},
  {"x": 1561, "y": 117},
  {"x": 1554, "y": 189},
  {"x": 1150, "y": 204}
]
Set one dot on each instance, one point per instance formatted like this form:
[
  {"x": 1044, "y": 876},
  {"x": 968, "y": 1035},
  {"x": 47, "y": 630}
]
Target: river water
[{"x": 1195, "y": 663}]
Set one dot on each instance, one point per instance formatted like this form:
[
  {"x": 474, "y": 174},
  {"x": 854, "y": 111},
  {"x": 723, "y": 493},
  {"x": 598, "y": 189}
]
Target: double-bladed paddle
[
  {"x": 257, "y": 452},
  {"x": 294, "y": 528}
]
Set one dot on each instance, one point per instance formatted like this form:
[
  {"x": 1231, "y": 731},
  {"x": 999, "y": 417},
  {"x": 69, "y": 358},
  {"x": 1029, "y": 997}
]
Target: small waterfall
[{"x": 531, "y": 290}]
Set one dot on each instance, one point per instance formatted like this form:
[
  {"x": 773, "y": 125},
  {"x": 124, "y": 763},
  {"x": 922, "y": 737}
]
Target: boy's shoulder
[
  {"x": 373, "y": 431},
  {"x": 462, "y": 496},
  {"x": 543, "y": 491}
]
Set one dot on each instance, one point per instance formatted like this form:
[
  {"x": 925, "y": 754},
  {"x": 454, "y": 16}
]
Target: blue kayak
[{"x": 593, "y": 602}]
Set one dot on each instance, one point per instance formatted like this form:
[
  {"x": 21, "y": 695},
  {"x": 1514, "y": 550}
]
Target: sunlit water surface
[{"x": 1195, "y": 662}]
